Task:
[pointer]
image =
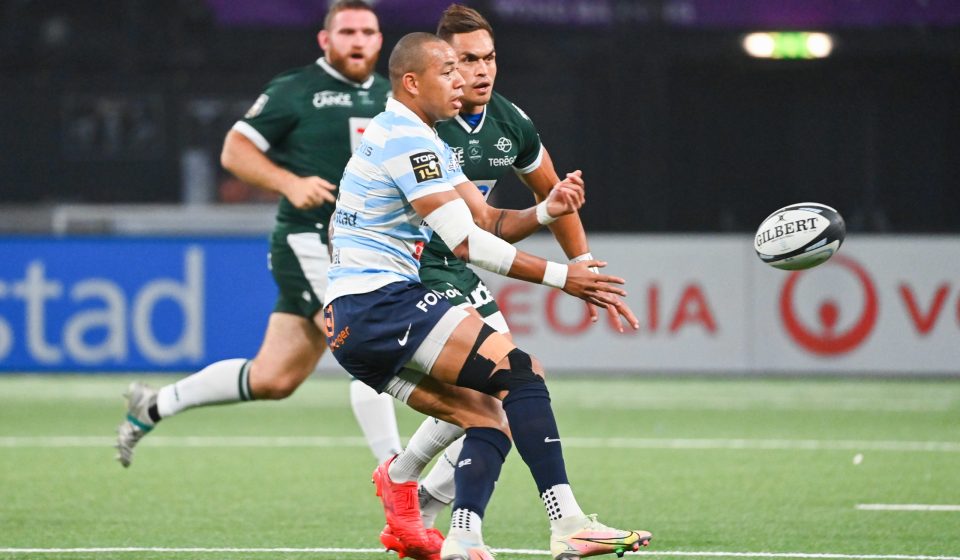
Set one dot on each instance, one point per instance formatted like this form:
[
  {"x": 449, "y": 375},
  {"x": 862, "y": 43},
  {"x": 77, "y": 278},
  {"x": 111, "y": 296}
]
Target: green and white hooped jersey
[
  {"x": 309, "y": 121},
  {"x": 504, "y": 140}
]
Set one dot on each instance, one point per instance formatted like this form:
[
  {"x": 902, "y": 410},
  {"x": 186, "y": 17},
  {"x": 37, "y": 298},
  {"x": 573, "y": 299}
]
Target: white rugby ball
[{"x": 800, "y": 236}]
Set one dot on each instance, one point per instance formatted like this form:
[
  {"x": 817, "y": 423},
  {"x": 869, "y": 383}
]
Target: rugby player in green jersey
[
  {"x": 295, "y": 140},
  {"x": 491, "y": 137}
]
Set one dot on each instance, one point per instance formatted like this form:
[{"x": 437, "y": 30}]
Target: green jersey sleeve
[
  {"x": 529, "y": 155},
  {"x": 274, "y": 113}
]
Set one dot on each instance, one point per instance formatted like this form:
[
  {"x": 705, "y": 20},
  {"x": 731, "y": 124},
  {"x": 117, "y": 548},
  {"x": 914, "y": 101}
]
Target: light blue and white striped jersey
[{"x": 377, "y": 236}]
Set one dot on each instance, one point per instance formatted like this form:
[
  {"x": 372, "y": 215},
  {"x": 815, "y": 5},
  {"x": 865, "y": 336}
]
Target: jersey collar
[
  {"x": 322, "y": 63},
  {"x": 395, "y": 106},
  {"x": 466, "y": 125}
]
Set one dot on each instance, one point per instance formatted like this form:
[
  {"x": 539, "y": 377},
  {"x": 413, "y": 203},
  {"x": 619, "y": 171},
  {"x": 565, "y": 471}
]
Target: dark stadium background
[{"x": 675, "y": 127}]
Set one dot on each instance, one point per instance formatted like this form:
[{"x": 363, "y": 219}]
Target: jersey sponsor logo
[
  {"x": 480, "y": 296},
  {"x": 475, "y": 153},
  {"x": 257, "y": 106},
  {"x": 323, "y": 99},
  {"x": 426, "y": 166},
  {"x": 504, "y": 144},
  {"x": 428, "y": 300},
  {"x": 418, "y": 250},
  {"x": 457, "y": 154},
  {"x": 365, "y": 97},
  {"x": 501, "y": 161},
  {"x": 345, "y": 218}
]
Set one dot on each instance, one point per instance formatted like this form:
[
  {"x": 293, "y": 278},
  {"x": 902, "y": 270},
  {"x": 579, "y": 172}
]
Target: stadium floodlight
[{"x": 788, "y": 44}]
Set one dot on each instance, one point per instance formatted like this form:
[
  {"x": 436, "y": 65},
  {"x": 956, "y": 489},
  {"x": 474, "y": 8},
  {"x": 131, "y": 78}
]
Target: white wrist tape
[
  {"x": 586, "y": 257},
  {"x": 454, "y": 223},
  {"x": 555, "y": 275},
  {"x": 544, "y": 217}
]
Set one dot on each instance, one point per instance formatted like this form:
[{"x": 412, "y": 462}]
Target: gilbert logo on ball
[{"x": 800, "y": 236}]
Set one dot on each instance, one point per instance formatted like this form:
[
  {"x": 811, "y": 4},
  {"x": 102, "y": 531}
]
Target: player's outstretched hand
[
  {"x": 567, "y": 196},
  {"x": 309, "y": 192},
  {"x": 600, "y": 290}
]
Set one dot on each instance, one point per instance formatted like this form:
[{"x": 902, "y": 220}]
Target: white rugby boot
[
  {"x": 140, "y": 397},
  {"x": 594, "y": 538}
]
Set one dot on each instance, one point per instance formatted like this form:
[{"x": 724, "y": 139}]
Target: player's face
[
  {"x": 352, "y": 43},
  {"x": 440, "y": 85},
  {"x": 477, "y": 62}
]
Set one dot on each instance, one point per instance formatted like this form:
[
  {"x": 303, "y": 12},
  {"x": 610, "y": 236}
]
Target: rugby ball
[{"x": 800, "y": 236}]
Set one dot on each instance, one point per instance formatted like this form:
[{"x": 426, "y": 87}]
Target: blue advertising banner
[{"x": 94, "y": 304}]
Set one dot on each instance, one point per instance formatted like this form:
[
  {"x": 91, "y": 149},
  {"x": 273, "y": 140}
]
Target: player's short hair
[
  {"x": 461, "y": 19},
  {"x": 341, "y": 5},
  {"x": 409, "y": 54}
]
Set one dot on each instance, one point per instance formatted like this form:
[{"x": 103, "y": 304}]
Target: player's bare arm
[
  {"x": 564, "y": 198},
  {"x": 448, "y": 215},
  {"x": 244, "y": 159}
]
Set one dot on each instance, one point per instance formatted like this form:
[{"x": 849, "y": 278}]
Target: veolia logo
[{"x": 825, "y": 339}]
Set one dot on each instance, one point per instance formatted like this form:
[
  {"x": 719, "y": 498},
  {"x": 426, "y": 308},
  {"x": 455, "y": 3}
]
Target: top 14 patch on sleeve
[{"x": 426, "y": 166}]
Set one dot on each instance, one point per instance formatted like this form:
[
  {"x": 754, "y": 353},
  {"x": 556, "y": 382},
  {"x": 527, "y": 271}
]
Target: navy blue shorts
[{"x": 376, "y": 334}]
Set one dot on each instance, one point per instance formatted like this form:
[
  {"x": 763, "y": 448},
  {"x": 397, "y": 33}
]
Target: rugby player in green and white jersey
[
  {"x": 295, "y": 140},
  {"x": 491, "y": 137}
]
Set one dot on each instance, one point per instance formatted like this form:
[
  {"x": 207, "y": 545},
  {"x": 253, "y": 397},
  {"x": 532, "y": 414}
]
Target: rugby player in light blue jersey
[
  {"x": 491, "y": 138},
  {"x": 385, "y": 328}
]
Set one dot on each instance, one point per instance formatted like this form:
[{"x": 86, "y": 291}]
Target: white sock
[
  {"x": 562, "y": 509},
  {"x": 430, "y": 438},
  {"x": 438, "y": 489},
  {"x": 221, "y": 382},
  {"x": 377, "y": 418},
  {"x": 467, "y": 525},
  {"x": 439, "y": 481}
]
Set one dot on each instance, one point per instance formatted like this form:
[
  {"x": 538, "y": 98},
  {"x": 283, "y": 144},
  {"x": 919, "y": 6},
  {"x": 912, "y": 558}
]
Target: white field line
[
  {"x": 516, "y": 551},
  {"x": 908, "y": 507},
  {"x": 569, "y": 442}
]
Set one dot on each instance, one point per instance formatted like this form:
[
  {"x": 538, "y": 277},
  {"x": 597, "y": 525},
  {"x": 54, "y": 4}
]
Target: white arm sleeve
[{"x": 454, "y": 223}]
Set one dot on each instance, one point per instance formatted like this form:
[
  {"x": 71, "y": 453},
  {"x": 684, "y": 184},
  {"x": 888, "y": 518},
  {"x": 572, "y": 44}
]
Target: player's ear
[
  {"x": 411, "y": 83},
  {"x": 323, "y": 39}
]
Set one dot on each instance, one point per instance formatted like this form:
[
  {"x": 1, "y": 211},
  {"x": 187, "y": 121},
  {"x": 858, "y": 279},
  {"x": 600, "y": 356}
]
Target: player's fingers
[
  {"x": 592, "y": 311},
  {"x": 606, "y": 278},
  {"x": 321, "y": 195},
  {"x": 575, "y": 178},
  {"x": 609, "y": 289},
  {"x": 617, "y": 309},
  {"x": 322, "y": 183},
  {"x": 613, "y": 312},
  {"x": 574, "y": 195},
  {"x": 577, "y": 191},
  {"x": 627, "y": 314}
]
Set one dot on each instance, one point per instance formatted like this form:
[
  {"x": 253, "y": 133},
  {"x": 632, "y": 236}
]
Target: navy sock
[
  {"x": 535, "y": 433},
  {"x": 478, "y": 468}
]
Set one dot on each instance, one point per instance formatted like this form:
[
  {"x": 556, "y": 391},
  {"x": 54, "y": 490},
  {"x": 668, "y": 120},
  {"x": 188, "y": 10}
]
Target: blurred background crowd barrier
[{"x": 692, "y": 121}]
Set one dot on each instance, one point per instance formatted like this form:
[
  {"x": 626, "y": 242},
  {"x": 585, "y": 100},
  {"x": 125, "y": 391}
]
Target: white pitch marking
[
  {"x": 517, "y": 551},
  {"x": 908, "y": 507},
  {"x": 568, "y": 442}
]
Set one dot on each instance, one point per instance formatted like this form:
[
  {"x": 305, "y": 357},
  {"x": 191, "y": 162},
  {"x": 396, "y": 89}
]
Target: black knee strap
[
  {"x": 477, "y": 369},
  {"x": 519, "y": 374}
]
